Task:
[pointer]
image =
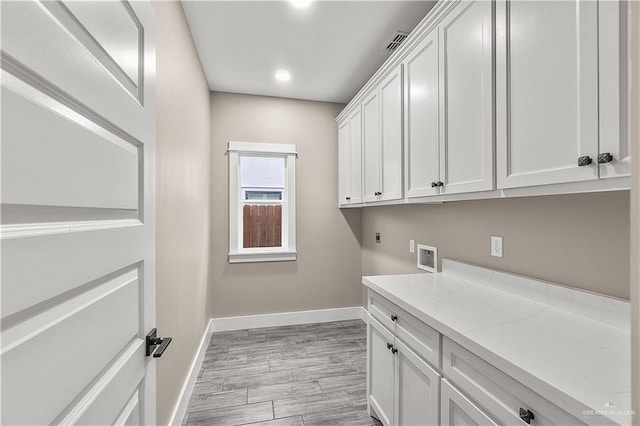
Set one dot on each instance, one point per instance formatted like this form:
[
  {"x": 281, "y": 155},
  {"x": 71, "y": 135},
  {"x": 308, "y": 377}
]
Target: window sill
[{"x": 265, "y": 256}]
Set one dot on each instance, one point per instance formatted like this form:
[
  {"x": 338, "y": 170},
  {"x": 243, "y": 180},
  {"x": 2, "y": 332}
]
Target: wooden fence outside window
[{"x": 262, "y": 225}]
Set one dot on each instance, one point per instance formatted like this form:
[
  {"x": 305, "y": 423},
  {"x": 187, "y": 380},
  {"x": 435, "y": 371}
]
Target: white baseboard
[
  {"x": 286, "y": 318},
  {"x": 364, "y": 314},
  {"x": 180, "y": 409}
]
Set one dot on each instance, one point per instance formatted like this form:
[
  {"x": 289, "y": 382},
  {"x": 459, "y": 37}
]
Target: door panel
[
  {"x": 391, "y": 136},
  {"x": 88, "y": 259},
  {"x": 547, "y": 94},
  {"x": 613, "y": 87},
  {"x": 344, "y": 163},
  {"x": 115, "y": 395},
  {"x": 418, "y": 387},
  {"x": 381, "y": 370},
  {"x": 77, "y": 231},
  {"x": 115, "y": 30},
  {"x": 48, "y": 46},
  {"x": 371, "y": 146},
  {"x": 466, "y": 66},
  {"x": 458, "y": 410},
  {"x": 422, "y": 118},
  {"x": 37, "y": 160},
  {"x": 355, "y": 143},
  {"x": 40, "y": 352}
]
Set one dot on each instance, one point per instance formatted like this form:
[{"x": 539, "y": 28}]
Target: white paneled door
[{"x": 77, "y": 232}]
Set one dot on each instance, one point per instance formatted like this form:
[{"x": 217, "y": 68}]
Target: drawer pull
[
  {"x": 605, "y": 157},
  {"x": 394, "y": 317},
  {"x": 585, "y": 160},
  {"x": 389, "y": 346},
  {"x": 526, "y": 416}
]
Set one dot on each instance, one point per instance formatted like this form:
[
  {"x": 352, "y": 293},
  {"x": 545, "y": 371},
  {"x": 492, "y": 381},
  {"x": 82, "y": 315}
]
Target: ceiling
[{"x": 331, "y": 48}]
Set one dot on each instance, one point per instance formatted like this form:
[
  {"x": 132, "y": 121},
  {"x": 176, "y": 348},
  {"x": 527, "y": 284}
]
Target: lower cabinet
[
  {"x": 501, "y": 396},
  {"x": 402, "y": 388},
  {"x": 457, "y": 409}
]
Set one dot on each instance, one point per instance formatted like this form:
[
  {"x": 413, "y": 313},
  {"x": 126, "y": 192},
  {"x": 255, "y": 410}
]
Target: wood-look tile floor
[{"x": 311, "y": 374}]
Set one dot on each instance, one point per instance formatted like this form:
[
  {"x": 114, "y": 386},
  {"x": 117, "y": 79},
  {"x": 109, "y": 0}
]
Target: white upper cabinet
[
  {"x": 421, "y": 118},
  {"x": 466, "y": 91},
  {"x": 391, "y": 136},
  {"x": 382, "y": 140},
  {"x": 614, "y": 139},
  {"x": 371, "y": 146},
  {"x": 505, "y": 97},
  {"x": 350, "y": 159},
  {"x": 547, "y": 92}
]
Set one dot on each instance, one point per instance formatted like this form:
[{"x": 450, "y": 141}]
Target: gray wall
[
  {"x": 182, "y": 204},
  {"x": 327, "y": 272},
  {"x": 576, "y": 240}
]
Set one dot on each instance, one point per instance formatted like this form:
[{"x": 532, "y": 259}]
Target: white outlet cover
[
  {"x": 496, "y": 246},
  {"x": 412, "y": 246}
]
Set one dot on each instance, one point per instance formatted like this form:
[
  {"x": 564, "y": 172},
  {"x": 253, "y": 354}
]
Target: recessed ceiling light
[
  {"x": 283, "y": 75},
  {"x": 300, "y": 3}
]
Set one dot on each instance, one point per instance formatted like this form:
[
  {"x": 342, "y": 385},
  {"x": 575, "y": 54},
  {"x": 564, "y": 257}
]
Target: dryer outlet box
[{"x": 427, "y": 258}]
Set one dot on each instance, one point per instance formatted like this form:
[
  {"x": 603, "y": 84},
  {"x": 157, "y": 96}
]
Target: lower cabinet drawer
[
  {"x": 456, "y": 409},
  {"x": 418, "y": 336},
  {"x": 504, "y": 398}
]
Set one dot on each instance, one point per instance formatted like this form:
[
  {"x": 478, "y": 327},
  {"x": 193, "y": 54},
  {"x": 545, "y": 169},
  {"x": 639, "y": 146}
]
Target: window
[{"x": 262, "y": 220}]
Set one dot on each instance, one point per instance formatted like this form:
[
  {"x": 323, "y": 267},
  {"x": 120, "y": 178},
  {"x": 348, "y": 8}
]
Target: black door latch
[
  {"x": 526, "y": 416},
  {"x": 153, "y": 340}
]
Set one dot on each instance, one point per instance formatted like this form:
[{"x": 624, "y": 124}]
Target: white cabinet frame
[{"x": 391, "y": 368}]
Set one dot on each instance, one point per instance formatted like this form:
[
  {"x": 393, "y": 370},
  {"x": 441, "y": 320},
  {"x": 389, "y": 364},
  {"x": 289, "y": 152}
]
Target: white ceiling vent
[{"x": 395, "y": 40}]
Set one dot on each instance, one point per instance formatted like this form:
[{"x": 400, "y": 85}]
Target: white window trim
[{"x": 238, "y": 254}]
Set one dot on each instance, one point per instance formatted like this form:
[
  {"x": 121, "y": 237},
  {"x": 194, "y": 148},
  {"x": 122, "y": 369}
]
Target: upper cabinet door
[
  {"x": 421, "y": 118},
  {"x": 371, "y": 146},
  {"x": 547, "y": 91},
  {"x": 466, "y": 91},
  {"x": 391, "y": 135},
  {"x": 344, "y": 163},
  {"x": 614, "y": 139},
  {"x": 355, "y": 147}
]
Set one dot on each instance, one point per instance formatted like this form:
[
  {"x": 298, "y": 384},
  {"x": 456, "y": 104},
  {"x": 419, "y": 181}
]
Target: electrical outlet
[
  {"x": 496, "y": 246},
  {"x": 378, "y": 237},
  {"x": 412, "y": 246}
]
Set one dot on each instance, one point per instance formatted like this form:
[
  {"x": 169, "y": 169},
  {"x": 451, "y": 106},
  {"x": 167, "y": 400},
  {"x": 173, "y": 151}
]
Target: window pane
[
  {"x": 262, "y": 225},
  {"x": 262, "y": 172},
  {"x": 262, "y": 178},
  {"x": 262, "y": 195}
]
